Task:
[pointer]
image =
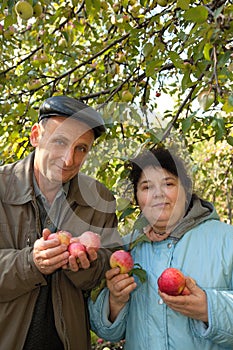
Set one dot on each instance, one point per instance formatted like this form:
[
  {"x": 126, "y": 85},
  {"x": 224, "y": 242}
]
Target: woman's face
[{"x": 161, "y": 198}]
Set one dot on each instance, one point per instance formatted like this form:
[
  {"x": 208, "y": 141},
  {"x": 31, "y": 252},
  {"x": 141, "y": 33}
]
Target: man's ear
[{"x": 34, "y": 137}]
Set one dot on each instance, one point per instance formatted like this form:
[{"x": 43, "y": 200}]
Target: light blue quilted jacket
[{"x": 205, "y": 253}]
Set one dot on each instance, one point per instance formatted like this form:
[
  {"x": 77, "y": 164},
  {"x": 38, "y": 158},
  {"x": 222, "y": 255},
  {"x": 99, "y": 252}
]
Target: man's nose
[{"x": 68, "y": 157}]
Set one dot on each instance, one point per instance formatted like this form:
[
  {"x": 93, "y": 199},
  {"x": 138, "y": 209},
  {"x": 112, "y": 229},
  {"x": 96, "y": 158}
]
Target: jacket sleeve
[
  {"x": 18, "y": 273},
  {"x": 220, "y": 325},
  {"x": 99, "y": 311},
  {"x": 91, "y": 277}
]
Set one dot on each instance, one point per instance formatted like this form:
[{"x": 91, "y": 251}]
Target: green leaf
[
  {"x": 183, "y": 4},
  {"x": 186, "y": 81},
  {"x": 140, "y": 223},
  {"x": 150, "y": 68},
  {"x": 186, "y": 124},
  {"x": 140, "y": 239},
  {"x": 230, "y": 140},
  {"x": 147, "y": 49},
  {"x": 230, "y": 100},
  {"x": 219, "y": 127},
  {"x": 228, "y": 106},
  {"x": 197, "y": 14},
  {"x": 9, "y": 20},
  {"x": 176, "y": 60},
  {"x": 206, "y": 51},
  {"x": 126, "y": 212},
  {"x": 139, "y": 272},
  {"x": 96, "y": 291}
]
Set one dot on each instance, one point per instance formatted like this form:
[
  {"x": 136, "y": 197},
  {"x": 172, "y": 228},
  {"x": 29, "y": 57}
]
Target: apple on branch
[
  {"x": 162, "y": 3},
  {"x": 23, "y": 9},
  {"x": 127, "y": 96},
  {"x": 37, "y": 10}
]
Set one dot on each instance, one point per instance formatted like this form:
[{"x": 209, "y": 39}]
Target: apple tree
[{"x": 128, "y": 59}]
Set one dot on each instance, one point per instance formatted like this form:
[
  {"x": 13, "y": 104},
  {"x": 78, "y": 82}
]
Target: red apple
[
  {"x": 185, "y": 291},
  {"x": 53, "y": 236},
  {"x": 90, "y": 240},
  {"x": 75, "y": 247},
  {"x": 64, "y": 237},
  {"x": 171, "y": 281},
  {"x": 123, "y": 260}
]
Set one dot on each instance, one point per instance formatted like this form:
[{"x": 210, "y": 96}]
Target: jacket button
[
  {"x": 169, "y": 245},
  {"x": 160, "y": 302},
  {"x": 37, "y": 284}
]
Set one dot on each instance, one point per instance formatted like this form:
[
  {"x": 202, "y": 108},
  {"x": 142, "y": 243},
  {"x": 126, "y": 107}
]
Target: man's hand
[
  {"x": 49, "y": 255},
  {"x": 193, "y": 305},
  {"x": 84, "y": 259}
]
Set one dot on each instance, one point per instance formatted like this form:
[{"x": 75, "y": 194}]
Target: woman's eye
[
  {"x": 169, "y": 184},
  {"x": 145, "y": 188}
]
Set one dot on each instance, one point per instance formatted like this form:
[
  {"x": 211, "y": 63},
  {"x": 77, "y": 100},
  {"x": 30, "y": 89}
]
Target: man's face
[{"x": 62, "y": 145}]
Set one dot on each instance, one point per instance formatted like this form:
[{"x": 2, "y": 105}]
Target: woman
[{"x": 183, "y": 231}]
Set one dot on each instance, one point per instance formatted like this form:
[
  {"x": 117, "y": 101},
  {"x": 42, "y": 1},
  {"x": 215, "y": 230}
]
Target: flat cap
[{"x": 64, "y": 106}]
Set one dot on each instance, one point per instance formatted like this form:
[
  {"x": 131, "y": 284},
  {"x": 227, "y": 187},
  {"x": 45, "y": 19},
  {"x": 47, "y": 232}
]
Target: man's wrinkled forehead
[{"x": 68, "y": 127}]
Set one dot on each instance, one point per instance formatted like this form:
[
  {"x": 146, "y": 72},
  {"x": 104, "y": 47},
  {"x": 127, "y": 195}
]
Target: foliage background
[{"x": 156, "y": 73}]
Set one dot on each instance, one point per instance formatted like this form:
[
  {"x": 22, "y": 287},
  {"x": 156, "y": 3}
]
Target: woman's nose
[{"x": 158, "y": 191}]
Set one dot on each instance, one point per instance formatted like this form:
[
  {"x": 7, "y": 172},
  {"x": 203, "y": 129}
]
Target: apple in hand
[
  {"x": 75, "y": 247},
  {"x": 90, "y": 240},
  {"x": 53, "y": 236},
  {"x": 123, "y": 260},
  {"x": 185, "y": 291},
  {"x": 171, "y": 281},
  {"x": 63, "y": 236}
]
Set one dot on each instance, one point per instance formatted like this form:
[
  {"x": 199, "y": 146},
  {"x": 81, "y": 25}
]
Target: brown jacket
[{"x": 90, "y": 206}]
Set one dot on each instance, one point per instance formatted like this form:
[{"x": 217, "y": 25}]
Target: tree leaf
[
  {"x": 183, "y": 4},
  {"x": 139, "y": 272},
  {"x": 96, "y": 291},
  {"x": 197, "y": 14}
]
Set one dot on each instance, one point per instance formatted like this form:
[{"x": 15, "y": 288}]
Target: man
[{"x": 42, "y": 302}]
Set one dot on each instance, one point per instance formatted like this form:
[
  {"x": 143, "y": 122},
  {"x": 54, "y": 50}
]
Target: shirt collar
[{"x": 64, "y": 189}]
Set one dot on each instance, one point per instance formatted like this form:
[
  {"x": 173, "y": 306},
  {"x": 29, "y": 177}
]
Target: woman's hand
[
  {"x": 193, "y": 305},
  {"x": 120, "y": 286}
]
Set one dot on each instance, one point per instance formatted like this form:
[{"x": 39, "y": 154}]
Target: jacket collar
[
  {"x": 200, "y": 211},
  {"x": 19, "y": 187}
]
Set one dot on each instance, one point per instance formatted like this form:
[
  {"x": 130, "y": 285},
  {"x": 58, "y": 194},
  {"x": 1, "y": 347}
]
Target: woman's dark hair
[{"x": 160, "y": 157}]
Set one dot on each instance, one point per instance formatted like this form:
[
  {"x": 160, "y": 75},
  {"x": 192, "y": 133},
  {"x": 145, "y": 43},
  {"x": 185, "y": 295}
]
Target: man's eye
[
  {"x": 59, "y": 142},
  {"x": 82, "y": 149}
]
